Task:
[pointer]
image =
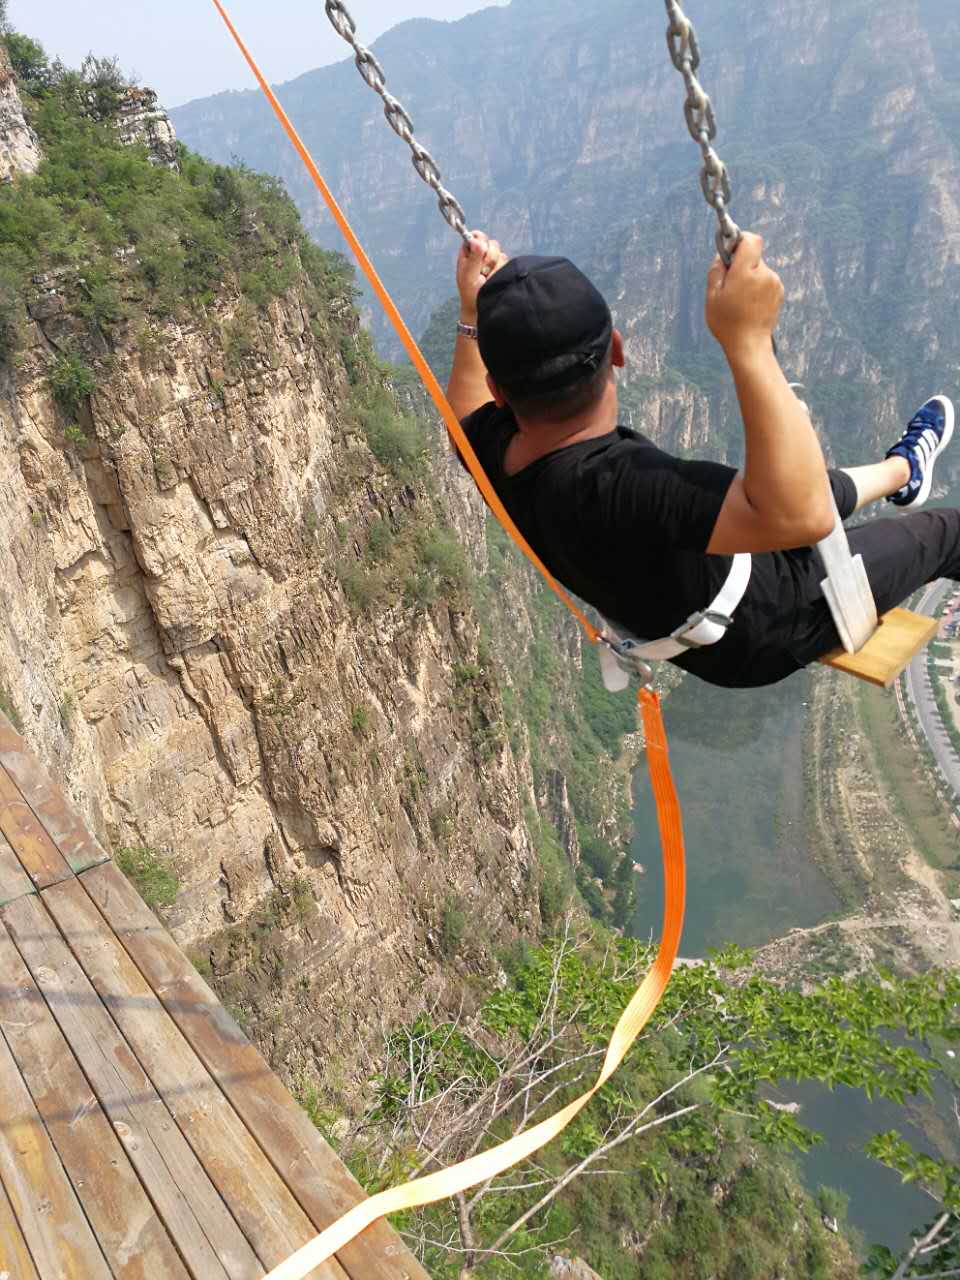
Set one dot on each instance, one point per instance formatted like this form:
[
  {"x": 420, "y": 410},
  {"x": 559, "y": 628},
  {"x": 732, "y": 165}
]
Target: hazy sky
[{"x": 181, "y": 47}]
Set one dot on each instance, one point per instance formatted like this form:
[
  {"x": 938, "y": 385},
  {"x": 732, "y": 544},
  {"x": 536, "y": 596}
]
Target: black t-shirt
[
  {"x": 625, "y": 526},
  {"x": 619, "y": 522}
]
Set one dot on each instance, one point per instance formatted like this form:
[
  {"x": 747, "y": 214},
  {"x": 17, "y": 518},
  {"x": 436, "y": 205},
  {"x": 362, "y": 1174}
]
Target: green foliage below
[
  {"x": 151, "y": 875},
  {"x": 360, "y": 720},
  {"x": 441, "y": 552},
  {"x": 75, "y": 435},
  {"x": 706, "y": 370},
  {"x": 556, "y": 886},
  {"x": 832, "y": 1203},
  {"x": 321, "y": 1116},
  {"x": 609, "y": 716},
  {"x": 945, "y": 697},
  {"x": 410, "y": 554},
  {"x": 411, "y": 560},
  {"x": 690, "y": 1195},
  {"x": 453, "y": 925},
  {"x": 939, "y": 1260}
]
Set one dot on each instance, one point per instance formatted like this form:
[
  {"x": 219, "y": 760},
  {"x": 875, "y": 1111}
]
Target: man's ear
[
  {"x": 617, "y": 357},
  {"x": 498, "y": 397}
]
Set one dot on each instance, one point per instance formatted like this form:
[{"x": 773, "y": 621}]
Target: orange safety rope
[{"x": 449, "y": 1182}]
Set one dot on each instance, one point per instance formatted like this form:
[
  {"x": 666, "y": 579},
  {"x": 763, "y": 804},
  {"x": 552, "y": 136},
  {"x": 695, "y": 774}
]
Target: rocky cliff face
[
  {"x": 19, "y": 148},
  {"x": 560, "y": 127},
  {"x": 141, "y": 120},
  {"x": 176, "y": 641}
]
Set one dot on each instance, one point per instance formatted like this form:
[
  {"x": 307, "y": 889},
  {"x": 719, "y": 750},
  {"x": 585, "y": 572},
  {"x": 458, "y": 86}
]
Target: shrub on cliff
[
  {"x": 71, "y": 382},
  {"x": 9, "y": 316},
  {"x": 151, "y": 875},
  {"x": 396, "y": 440}
]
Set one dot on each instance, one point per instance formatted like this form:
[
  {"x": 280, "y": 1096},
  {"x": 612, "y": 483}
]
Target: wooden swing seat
[{"x": 896, "y": 642}]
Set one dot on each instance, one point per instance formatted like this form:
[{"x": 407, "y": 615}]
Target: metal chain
[
  {"x": 702, "y": 123},
  {"x": 397, "y": 117}
]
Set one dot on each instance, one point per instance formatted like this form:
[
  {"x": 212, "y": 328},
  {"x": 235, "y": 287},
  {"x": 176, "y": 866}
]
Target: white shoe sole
[{"x": 948, "y": 424}]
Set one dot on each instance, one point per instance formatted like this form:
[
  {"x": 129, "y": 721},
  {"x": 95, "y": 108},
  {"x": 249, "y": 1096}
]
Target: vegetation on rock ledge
[{"x": 100, "y": 215}]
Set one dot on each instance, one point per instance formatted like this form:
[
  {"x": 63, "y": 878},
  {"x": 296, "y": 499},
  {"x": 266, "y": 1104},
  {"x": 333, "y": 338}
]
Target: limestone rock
[
  {"x": 571, "y": 1269},
  {"x": 555, "y": 803},
  {"x": 142, "y": 121},
  {"x": 19, "y": 146}
]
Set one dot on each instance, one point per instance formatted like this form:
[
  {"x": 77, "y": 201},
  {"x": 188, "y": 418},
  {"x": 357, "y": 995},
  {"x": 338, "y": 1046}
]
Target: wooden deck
[{"x": 141, "y": 1135}]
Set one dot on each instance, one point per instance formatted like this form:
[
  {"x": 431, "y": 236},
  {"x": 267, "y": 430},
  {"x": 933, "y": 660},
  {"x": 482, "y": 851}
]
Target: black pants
[{"x": 784, "y": 622}]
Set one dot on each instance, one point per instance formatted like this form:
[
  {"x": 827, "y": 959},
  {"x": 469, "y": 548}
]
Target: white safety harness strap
[{"x": 619, "y": 658}]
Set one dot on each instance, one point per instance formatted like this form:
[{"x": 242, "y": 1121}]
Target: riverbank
[{"x": 883, "y": 839}]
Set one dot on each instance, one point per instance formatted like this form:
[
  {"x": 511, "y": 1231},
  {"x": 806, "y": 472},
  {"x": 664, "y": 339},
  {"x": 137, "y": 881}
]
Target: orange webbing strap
[
  {"x": 405, "y": 336},
  {"x": 449, "y": 1182}
]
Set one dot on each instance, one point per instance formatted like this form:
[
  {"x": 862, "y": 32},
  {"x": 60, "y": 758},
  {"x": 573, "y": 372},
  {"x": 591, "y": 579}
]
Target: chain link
[
  {"x": 698, "y": 110},
  {"x": 398, "y": 118},
  {"x": 702, "y": 123}
]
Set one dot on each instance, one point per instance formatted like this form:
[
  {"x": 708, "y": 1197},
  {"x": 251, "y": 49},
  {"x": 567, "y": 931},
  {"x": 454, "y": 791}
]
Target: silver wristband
[{"x": 467, "y": 330}]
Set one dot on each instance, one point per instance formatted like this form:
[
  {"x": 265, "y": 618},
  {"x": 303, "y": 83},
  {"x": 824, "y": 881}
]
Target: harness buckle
[
  {"x": 722, "y": 620},
  {"x": 630, "y": 661}
]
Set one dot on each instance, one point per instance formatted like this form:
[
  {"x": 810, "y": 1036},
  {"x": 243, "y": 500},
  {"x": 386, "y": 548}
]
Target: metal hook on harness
[{"x": 619, "y": 663}]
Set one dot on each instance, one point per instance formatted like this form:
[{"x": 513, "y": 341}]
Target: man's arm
[
  {"x": 781, "y": 499},
  {"x": 467, "y": 390}
]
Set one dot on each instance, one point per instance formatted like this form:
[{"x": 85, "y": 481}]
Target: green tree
[
  {"x": 691, "y": 1087},
  {"x": 105, "y": 83},
  {"x": 440, "y": 337},
  {"x": 30, "y": 63}
]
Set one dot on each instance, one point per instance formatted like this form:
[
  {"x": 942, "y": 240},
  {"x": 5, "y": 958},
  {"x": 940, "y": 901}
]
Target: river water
[{"x": 738, "y": 761}]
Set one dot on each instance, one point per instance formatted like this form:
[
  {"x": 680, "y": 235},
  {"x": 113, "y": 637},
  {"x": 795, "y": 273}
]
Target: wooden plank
[
  {"x": 210, "y": 1242},
  {"x": 270, "y": 1217},
  {"x": 124, "y": 1221},
  {"x": 48, "y": 802},
  {"x": 315, "y": 1174},
  {"x": 38, "y": 855},
  {"x": 43, "y": 1200},
  {"x": 15, "y": 1260},
  {"x": 14, "y": 881},
  {"x": 889, "y": 651}
]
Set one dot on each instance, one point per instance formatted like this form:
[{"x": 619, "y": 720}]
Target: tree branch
[
  {"x": 920, "y": 1245},
  {"x": 631, "y": 1131}
]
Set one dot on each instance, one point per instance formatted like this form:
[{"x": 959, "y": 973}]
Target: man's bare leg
[{"x": 879, "y": 480}]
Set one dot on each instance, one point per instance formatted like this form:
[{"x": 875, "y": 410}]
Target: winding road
[{"x": 921, "y": 695}]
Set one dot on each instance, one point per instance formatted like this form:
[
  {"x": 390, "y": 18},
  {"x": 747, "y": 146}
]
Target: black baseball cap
[{"x": 535, "y": 311}]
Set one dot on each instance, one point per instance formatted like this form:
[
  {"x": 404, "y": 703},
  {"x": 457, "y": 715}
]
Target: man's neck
[{"x": 540, "y": 438}]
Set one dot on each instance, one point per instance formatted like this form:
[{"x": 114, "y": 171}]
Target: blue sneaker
[{"x": 921, "y": 444}]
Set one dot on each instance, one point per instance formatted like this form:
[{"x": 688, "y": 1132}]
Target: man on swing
[{"x": 716, "y": 566}]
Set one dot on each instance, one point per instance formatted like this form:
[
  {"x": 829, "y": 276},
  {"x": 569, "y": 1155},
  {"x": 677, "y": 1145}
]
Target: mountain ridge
[{"x": 568, "y": 136}]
